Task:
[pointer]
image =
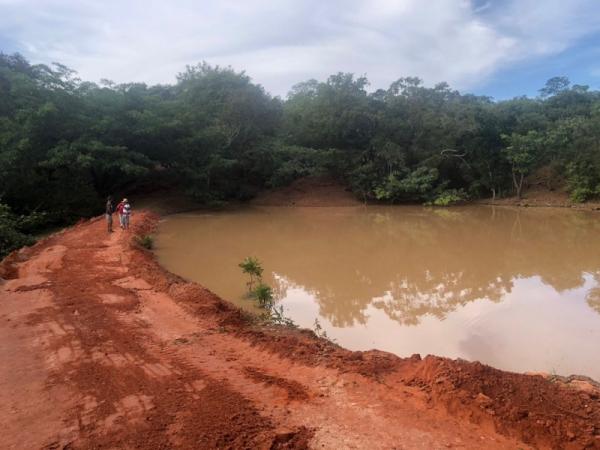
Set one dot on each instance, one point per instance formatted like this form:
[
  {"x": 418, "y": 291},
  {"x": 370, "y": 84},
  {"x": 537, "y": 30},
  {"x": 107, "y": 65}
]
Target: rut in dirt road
[{"x": 104, "y": 349}]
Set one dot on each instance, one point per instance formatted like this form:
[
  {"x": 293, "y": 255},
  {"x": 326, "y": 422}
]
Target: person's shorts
[{"x": 109, "y": 218}]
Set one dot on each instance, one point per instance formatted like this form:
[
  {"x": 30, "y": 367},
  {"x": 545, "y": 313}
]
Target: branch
[{"x": 454, "y": 153}]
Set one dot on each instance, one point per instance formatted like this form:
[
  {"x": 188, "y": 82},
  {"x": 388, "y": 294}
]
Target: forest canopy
[{"x": 65, "y": 143}]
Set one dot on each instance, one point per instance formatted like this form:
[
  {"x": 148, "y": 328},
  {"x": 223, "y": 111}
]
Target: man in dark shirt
[{"x": 109, "y": 212}]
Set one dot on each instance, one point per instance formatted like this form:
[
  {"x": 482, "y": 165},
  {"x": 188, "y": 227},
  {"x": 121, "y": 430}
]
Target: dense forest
[{"x": 65, "y": 144}]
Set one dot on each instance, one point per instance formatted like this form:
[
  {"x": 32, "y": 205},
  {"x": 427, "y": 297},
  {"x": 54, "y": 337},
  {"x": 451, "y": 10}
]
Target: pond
[{"x": 515, "y": 288}]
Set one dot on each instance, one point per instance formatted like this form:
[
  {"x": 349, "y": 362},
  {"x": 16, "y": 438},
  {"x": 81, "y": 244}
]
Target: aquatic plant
[
  {"x": 252, "y": 266},
  {"x": 264, "y": 294}
]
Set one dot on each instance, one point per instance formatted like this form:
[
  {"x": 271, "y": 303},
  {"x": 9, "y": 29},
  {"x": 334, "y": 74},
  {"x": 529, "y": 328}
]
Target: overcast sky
[{"x": 501, "y": 48}]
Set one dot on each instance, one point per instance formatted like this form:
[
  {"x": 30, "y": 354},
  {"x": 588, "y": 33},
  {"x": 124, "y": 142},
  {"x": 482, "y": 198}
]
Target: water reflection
[{"x": 416, "y": 266}]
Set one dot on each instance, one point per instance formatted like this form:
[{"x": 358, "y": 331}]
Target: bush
[
  {"x": 11, "y": 235},
  {"x": 276, "y": 315},
  {"x": 450, "y": 197},
  {"x": 253, "y": 268},
  {"x": 415, "y": 185},
  {"x": 581, "y": 194},
  {"x": 582, "y": 181},
  {"x": 145, "y": 241},
  {"x": 264, "y": 294}
]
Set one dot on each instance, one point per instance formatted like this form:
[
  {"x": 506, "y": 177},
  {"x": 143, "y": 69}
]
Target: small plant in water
[
  {"x": 264, "y": 294},
  {"x": 253, "y": 268}
]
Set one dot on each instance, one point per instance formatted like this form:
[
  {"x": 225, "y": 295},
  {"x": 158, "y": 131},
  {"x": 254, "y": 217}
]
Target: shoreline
[{"x": 275, "y": 369}]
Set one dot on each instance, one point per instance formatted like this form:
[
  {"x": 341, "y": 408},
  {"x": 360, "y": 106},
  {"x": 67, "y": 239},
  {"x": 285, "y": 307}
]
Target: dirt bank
[
  {"x": 101, "y": 348},
  {"x": 542, "y": 198},
  {"x": 308, "y": 191},
  {"x": 324, "y": 191}
]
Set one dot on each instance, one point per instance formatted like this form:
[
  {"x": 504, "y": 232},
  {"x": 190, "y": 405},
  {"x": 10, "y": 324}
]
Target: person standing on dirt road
[
  {"x": 120, "y": 212},
  {"x": 109, "y": 213},
  {"x": 126, "y": 213}
]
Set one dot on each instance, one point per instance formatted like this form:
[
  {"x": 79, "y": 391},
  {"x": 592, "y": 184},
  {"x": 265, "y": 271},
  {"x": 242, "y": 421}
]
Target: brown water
[{"x": 515, "y": 288}]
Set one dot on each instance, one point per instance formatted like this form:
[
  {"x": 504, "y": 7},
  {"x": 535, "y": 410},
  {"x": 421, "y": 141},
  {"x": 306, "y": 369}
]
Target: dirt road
[{"x": 101, "y": 348}]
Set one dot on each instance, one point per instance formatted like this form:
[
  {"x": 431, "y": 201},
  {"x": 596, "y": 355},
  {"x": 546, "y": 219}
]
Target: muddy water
[{"x": 515, "y": 288}]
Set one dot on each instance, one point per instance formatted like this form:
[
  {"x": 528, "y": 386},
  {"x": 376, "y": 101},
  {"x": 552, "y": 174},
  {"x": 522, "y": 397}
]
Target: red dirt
[
  {"x": 308, "y": 191},
  {"x": 102, "y": 348}
]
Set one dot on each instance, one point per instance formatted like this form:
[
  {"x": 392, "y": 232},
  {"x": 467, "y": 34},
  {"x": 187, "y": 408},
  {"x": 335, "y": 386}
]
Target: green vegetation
[
  {"x": 264, "y": 294},
  {"x": 252, "y": 267},
  {"x": 320, "y": 331},
  {"x": 450, "y": 197},
  {"x": 144, "y": 241},
  {"x": 65, "y": 144},
  {"x": 12, "y": 235}
]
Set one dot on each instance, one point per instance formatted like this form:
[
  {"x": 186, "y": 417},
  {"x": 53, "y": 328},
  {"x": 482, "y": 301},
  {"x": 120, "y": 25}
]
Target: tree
[
  {"x": 252, "y": 267},
  {"x": 264, "y": 294},
  {"x": 554, "y": 86},
  {"x": 521, "y": 151}
]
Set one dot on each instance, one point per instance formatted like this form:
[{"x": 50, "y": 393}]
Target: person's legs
[
  {"x": 126, "y": 221},
  {"x": 121, "y": 220},
  {"x": 109, "y": 222}
]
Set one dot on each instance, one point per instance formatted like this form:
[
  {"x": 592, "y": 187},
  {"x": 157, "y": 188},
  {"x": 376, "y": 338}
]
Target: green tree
[
  {"x": 264, "y": 294},
  {"x": 253, "y": 268},
  {"x": 522, "y": 151}
]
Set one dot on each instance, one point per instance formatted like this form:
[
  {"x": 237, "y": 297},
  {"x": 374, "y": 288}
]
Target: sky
[{"x": 499, "y": 48}]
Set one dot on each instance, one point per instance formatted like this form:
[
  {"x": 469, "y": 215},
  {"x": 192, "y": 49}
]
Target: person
[
  {"x": 120, "y": 212},
  {"x": 109, "y": 213},
  {"x": 126, "y": 213}
]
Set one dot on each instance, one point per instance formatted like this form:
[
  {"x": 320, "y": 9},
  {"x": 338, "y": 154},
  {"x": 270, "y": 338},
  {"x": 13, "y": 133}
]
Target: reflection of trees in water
[
  {"x": 405, "y": 303},
  {"x": 593, "y": 299},
  {"x": 593, "y": 296},
  {"x": 433, "y": 263},
  {"x": 410, "y": 261}
]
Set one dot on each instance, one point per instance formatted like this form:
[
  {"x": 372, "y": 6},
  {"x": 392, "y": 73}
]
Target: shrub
[
  {"x": 11, "y": 235},
  {"x": 253, "y": 268},
  {"x": 145, "y": 241},
  {"x": 276, "y": 315},
  {"x": 581, "y": 194},
  {"x": 450, "y": 197},
  {"x": 264, "y": 294},
  {"x": 582, "y": 181}
]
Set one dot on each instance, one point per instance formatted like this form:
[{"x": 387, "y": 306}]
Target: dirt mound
[
  {"x": 528, "y": 407},
  {"x": 309, "y": 191},
  {"x": 102, "y": 348}
]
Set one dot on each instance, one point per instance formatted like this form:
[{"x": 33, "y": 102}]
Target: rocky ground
[{"x": 101, "y": 348}]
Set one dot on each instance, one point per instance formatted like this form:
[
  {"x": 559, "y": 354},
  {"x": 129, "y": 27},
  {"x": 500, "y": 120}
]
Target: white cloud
[{"x": 283, "y": 42}]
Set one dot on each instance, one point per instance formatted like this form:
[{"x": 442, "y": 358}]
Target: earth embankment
[{"x": 102, "y": 348}]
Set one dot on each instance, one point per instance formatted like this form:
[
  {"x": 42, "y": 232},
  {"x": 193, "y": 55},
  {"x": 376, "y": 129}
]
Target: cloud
[{"x": 284, "y": 42}]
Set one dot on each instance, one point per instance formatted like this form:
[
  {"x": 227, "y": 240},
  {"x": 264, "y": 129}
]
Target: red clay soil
[
  {"x": 103, "y": 349},
  {"x": 308, "y": 191}
]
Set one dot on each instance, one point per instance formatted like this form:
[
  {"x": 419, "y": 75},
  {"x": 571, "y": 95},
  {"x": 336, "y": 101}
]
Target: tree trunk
[{"x": 518, "y": 184}]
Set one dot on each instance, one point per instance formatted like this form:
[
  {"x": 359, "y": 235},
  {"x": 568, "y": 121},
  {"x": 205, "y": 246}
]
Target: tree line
[{"x": 65, "y": 143}]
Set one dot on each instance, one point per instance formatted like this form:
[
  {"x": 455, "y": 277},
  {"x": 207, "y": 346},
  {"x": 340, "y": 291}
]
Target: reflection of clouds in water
[{"x": 537, "y": 328}]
